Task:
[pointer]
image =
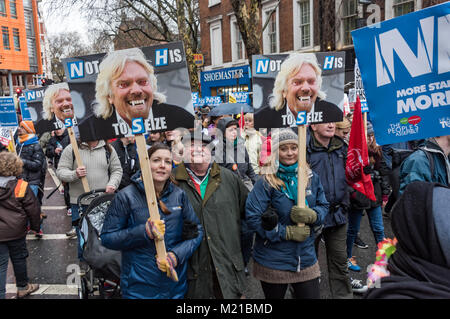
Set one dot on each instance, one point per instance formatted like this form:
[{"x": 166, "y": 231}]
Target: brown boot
[{"x": 29, "y": 289}]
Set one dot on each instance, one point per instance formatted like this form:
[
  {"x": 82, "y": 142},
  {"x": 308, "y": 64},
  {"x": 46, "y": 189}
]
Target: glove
[
  {"x": 155, "y": 229},
  {"x": 190, "y": 230},
  {"x": 303, "y": 215},
  {"x": 269, "y": 219},
  {"x": 168, "y": 265},
  {"x": 297, "y": 233}
]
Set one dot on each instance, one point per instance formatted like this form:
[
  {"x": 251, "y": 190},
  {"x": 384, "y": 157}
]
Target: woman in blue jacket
[
  {"x": 284, "y": 252},
  {"x": 127, "y": 228}
]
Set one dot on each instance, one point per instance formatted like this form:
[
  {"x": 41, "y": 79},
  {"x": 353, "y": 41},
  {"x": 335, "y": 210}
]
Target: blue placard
[
  {"x": 8, "y": 116},
  {"x": 137, "y": 126},
  {"x": 26, "y": 116},
  {"x": 405, "y": 68}
]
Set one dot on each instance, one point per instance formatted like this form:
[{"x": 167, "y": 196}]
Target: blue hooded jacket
[
  {"x": 271, "y": 248},
  {"x": 124, "y": 230}
]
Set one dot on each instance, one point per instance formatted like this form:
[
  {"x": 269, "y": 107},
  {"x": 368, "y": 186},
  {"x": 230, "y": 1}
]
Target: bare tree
[{"x": 64, "y": 45}]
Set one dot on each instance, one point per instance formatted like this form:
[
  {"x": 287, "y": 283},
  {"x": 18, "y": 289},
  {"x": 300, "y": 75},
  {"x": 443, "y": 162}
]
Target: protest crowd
[{"x": 194, "y": 211}]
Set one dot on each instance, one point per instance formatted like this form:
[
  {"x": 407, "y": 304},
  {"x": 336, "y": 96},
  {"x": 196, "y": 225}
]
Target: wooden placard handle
[
  {"x": 12, "y": 141},
  {"x": 76, "y": 152},
  {"x": 150, "y": 195},
  {"x": 301, "y": 171}
]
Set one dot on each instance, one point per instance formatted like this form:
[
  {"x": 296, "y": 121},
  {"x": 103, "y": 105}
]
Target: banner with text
[{"x": 405, "y": 68}]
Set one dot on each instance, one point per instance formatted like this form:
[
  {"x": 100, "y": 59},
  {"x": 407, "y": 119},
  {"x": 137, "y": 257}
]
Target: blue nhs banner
[
  {"x": 405, "y": 68},
  {"x": 8, "y": 116},
  {"x": 26, "y": 116}
]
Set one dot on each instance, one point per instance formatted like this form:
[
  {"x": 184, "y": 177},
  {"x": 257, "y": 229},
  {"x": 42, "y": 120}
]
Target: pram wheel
[{"x": 83, "y": 292}]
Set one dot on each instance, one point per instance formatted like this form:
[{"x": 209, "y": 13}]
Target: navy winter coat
[
  {"x": 124, "y": 230},
  {"x": 329, "y": 164},
  {"x": 271, "y": 249}
]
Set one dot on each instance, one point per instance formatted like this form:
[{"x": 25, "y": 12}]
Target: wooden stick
[
  {"x": 301, "y": 171},
  {"x": 76, "y": 152},
  {"x": 150, "y": 195},
  {"x": 12, "y": 141}
]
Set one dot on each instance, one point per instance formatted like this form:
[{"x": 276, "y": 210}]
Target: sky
[{"x": 65, "y": 21}]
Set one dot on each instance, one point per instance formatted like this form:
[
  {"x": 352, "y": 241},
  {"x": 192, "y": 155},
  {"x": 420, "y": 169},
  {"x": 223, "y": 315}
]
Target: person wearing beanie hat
[
  {"x": 284, "y": 251},
  {"x": 234, "y": 153},
  {"x": 33, "y": 158},
  {"x": 369, "y": 128},
  {"x": 32, "y": 155}
]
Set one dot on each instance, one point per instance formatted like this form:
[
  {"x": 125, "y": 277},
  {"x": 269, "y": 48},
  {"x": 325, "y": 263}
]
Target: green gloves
[
  {"x": 303, "y": 215},
  {"x": 297, "y": 233}
]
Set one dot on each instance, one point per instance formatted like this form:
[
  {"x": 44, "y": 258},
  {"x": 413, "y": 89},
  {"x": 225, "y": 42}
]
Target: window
[
  {"x": 270, "y": 21},
  {"x": 215, "y": 29},
  {"x": 402, "y": 7},
  {"x": 16, "y": 39},
  {"x": 2, "y": 8},
  {"x": 13, "y": 8},
  {"x": 272, "y": 32},
  {"x": 237, "y": 44},
  {"x": 5, "y": 36},
  {"x": 305, "y": 23},
  {"x": 349, "y": 15}
]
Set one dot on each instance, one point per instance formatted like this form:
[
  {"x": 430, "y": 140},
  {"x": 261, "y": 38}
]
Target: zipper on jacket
[{"x": 298, "y": 266}]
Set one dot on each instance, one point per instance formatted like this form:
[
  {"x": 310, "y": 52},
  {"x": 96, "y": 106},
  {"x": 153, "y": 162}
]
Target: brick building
[
  {"x": 295, "y": 25},
  {"x": 20, "y": 46}
]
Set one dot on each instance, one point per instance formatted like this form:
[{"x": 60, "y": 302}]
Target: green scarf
[{"x": 288, "y": 174}]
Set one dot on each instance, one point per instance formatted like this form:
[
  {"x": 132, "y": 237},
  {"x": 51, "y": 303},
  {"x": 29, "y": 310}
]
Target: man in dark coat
[
  {"x": 326, "y": 154},
  {"x": 126, "y": 150},
  {"x": 216, "y": 269}
]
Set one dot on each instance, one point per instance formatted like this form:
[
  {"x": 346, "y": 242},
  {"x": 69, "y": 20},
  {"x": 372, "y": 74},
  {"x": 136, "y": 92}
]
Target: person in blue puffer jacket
[
  {"x": 127, "y": 228},
  {"x": 284, "y": 250}
]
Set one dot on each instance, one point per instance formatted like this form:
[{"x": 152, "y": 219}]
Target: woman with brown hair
[
  {"x": 284, "y": 251},
  {"x": 128, "y": 228},
  {"x": 17, "y": 205},
  {"x": 378, "y": 172}
]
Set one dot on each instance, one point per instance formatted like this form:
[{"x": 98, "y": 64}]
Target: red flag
[
  {"x": 358, "y": 156},
  {"x": 241, "y": 121}
]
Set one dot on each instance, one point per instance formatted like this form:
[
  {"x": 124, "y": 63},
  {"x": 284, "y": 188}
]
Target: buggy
[{"x": 102, "y": 273}]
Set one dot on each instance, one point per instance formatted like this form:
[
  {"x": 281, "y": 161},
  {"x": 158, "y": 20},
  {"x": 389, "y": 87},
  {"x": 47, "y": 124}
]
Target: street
[{"x": 52, "y": 261}]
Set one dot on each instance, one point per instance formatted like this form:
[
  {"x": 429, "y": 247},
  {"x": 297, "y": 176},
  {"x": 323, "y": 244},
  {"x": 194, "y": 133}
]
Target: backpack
[{"x": 398, "y": 157}]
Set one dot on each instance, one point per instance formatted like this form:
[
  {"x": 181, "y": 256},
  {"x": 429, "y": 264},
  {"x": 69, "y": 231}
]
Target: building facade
[
  {"x": 291, "y": 25},
  {"x": 20, "y": 45}
]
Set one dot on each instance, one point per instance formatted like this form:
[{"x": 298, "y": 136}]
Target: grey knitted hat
[
  {"x": 369, "y": 128},
  {"x": 283, "y": 136}
]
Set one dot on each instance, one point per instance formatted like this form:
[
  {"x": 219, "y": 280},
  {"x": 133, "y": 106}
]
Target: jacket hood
[{"x": 6, "y": 187}]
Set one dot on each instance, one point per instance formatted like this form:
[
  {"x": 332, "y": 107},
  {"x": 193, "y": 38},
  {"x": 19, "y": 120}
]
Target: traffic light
[{"x": 19, "y": 91}]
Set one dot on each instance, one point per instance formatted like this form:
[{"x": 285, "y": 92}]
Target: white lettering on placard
[{"x": 392, "y": 41}]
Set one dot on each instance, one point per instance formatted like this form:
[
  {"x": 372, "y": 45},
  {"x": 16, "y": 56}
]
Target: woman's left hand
[{"x": 168, "y": 265}]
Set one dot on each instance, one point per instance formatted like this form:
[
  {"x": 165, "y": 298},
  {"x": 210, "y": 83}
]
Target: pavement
[{"x": 53, "y": 262}]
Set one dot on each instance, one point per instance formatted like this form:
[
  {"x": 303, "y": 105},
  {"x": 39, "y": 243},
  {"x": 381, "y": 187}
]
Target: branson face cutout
[
  {"x": 62, "y": 105},
  {"x": 132, "y": 93},
  {"x": 302, "y": 89}
]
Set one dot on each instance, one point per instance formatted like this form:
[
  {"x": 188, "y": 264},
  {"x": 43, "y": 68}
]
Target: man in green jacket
[{"x": 216, "y": 269}]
